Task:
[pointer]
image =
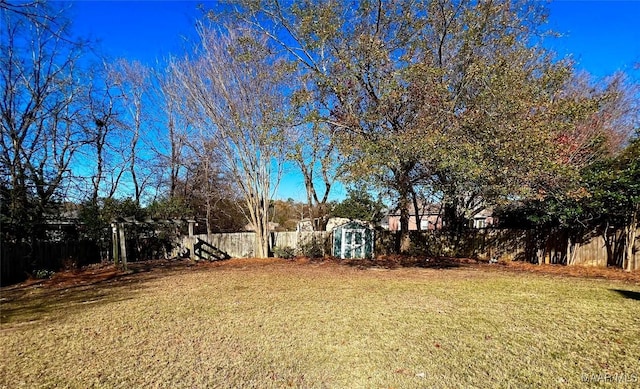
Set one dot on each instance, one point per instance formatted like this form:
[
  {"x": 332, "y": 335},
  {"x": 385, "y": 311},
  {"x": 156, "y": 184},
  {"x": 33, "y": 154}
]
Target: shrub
[
  {"x": 42, "y": 274},
  {"x": 311, "y": 249},
  {"x": 284, "y": 252},
  {"x": 69, "y": 264}
]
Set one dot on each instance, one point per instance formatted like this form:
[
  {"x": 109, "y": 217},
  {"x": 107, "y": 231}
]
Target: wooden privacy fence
[
  {"x": 556, "y": 247},
  {"x": 496, "y": 244},
  {"x": 241, "y": 244},
  {"x": 20, "y": 259},
  {"x": 550, "y": 247}
]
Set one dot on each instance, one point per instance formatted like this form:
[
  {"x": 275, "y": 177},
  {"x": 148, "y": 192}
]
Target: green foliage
[
  {"x": 311, "y": 249},
  {"x": 91, "y": 217},
  {"x": 467, "y": 108},
  {"x": 96, "y": 217},
  {"x": 614, "y": 188},
  {"x": 176, "y": 207},
  {"x": 116, "y": 208},
  {"x": 19, "y": 213},
  {"x": 606, "y": 202},
  {"x": 284, "y": 252},
  {"x": 43, "y": 274},
  {"x": 287, "y": 214},
  {"x": 359, "y": 205}
]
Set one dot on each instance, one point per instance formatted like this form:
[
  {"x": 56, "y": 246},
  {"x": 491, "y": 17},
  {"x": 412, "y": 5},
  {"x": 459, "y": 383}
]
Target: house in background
[
  {"x": 430, "y": 218},
  {"x": 484, "y": 219}
]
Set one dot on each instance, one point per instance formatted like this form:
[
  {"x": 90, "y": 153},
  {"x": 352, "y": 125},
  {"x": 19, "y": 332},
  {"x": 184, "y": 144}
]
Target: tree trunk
[
  {"x": 572, "y": 249},
  {"x": 404, "y": 239},
  {"x": 416, "y": 210},
  {"x": 322, "y": 217},
  {"x": 631, "y": 232},
  {"x": 608, "y": 245},
  {"x": 261, "y": 223},
  {"x": 453, "y": 223},
  {"x": 317, "y": 207},
  {"x": 403, "y": 183},
  {"x": 99, "y": 165}
]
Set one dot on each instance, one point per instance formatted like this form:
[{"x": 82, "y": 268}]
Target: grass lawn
[{"x": 270, "y": 323}]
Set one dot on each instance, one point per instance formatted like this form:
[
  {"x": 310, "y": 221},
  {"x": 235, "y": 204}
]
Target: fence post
[
  {"x": 191, "y": 240},
  {"x": 123, "y": 245},
  {"x": 191, "y": 227},
  {"x": 115, "y": 242}
]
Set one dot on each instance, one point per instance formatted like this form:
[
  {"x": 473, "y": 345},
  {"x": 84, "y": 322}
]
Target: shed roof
[{"x": 358, "y": 222}]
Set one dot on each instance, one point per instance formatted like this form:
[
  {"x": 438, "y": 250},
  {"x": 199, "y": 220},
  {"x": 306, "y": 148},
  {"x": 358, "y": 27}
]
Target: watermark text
[{"x": 615, "y": 378}]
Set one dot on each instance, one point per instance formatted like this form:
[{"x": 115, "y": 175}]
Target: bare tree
[
  {"x": 104, "y": 129},
  {"x": 604, "y": 117},
  {"x": 41, "y": 103},
  {"x": 132, "y": 80},
  {"x": 38, "y": 14},
  {"x": 190, "y": 167},
  {"x": 234, "y": 88},
  {"x": 171, "y": 146},
  {"x": 317, "y": 157}
]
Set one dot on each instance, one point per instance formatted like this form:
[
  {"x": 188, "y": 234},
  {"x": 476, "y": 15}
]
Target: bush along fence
[
  {"x": 134, "y": 240},
  {"x": 47, "y": 248},
  {"x": 542, "y": 247},
  {"x": 535, "y": 246},
  {"x": 39, "y": 259}
]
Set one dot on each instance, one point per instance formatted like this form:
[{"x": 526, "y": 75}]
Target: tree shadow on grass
[
  {"x": 397, "y": 262},
  {"x": 630, "y": 294},
  {"x": 40, "y": 302},
  {"x": 74, "y": 291}
]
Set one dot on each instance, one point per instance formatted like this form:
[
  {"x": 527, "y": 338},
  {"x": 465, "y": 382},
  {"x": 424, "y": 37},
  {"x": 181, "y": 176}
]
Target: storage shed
[{"x": 353, "y": 239}]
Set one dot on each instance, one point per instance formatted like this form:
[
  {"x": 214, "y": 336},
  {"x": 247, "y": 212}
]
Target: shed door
[{"x": 353, "y": 241}]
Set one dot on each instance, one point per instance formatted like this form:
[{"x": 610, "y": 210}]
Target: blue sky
[
  {"x": 142, "y": 30},
  {"x": 602, "y": 36}
]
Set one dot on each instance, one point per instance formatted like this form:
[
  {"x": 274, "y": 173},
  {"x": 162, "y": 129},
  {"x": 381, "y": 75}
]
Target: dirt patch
[
  {"x": 399, "y": 261},
  {"x": 395, "y": 262},
  {"x": 104, "y": 273},
  {"x": 85, "y": 276},
  {"x": 607, "y": 273}
]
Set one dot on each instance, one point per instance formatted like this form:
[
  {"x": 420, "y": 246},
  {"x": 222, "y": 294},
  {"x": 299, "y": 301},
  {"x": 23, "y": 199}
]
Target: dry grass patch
[{"x": 251, "y": 323}]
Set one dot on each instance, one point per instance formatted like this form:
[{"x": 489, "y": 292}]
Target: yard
[{"x": 272, "y": 323}]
